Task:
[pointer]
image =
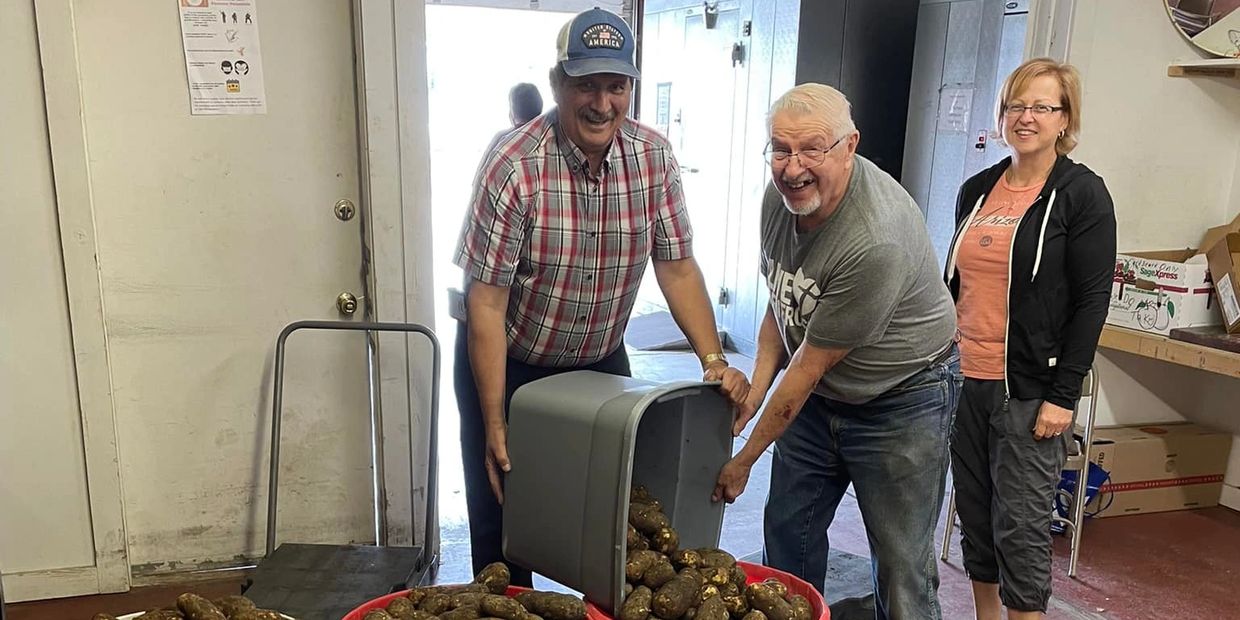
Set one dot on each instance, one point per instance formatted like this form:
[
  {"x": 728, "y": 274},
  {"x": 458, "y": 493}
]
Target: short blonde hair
[
  {"x": 819, "y": 100},
  {"x": 1069, "y": 84}
]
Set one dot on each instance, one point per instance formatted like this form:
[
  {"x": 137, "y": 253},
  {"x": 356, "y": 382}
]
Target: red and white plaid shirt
[{"x": 572, "y": 247}]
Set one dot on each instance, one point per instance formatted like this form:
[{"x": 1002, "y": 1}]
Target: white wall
[
  {"x": 1169, "y": 151},
  {"x": 212, "y": 234},
  {"x": 1235, "y": 184},
  {"x": 1166, "y": 146}
]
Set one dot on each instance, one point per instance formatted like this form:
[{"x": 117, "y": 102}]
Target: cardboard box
[
  {"x": 1224, "y": 259},
  {"x": 1223, "y": 256},
  {"x": 1156, "y": 468},
  {"x": 1160, "y": 291}
]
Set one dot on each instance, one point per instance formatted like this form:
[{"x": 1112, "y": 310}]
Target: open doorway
[
  {"x": 468, "y": 84},
  {"x": 477, "y": 50}
]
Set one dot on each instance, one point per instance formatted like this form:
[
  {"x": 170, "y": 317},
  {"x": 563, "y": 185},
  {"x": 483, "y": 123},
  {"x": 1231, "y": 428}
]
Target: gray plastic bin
[{"x": 577, "y": 441}]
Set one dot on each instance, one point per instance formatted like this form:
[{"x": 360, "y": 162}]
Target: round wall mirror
[{"x": 1212, "y": 25}]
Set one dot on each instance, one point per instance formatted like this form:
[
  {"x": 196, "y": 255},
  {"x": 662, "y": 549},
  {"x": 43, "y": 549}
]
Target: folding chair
[{"x": 1078, "y": 460}]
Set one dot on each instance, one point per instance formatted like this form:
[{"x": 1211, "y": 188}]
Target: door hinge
[{"x": 725, "y": 296}]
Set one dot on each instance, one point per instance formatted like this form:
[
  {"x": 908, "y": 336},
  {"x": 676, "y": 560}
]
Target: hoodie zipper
[
  {"x": 1007, "y": 318},
  {"x": 1037, "y": 263},
  {"x": 1007, "y": 315}
]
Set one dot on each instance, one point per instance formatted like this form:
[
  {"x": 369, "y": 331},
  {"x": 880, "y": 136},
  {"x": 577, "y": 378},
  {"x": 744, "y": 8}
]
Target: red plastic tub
[{"x": 754, "y": 573}]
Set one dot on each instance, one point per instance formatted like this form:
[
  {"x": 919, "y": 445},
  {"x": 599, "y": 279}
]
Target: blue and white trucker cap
[{"x": 596, "y": 41}]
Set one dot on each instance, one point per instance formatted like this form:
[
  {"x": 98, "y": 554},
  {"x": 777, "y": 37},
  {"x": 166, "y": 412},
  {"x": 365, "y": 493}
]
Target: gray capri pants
[{"x": 1005, "y": 484}]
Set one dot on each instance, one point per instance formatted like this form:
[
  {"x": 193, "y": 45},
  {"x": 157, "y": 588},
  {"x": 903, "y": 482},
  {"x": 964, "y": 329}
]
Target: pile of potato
[
  {"x": 193, "y": 607},
  {"x": 665, "y": 582},
  {"x": 483, "y": 599}
]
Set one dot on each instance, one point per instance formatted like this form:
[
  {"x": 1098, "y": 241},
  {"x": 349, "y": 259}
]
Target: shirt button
[
  {"x": 589, "y": 278},
  {"x": 592, "y": 235},
  {"x": 581, "y": 318}
]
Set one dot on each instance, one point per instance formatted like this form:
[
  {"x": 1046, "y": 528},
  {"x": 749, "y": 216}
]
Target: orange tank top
[{"x": 982, "y": 261}]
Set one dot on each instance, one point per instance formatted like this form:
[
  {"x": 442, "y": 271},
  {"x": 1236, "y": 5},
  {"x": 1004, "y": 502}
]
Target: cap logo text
[{"x": 602, "y": 35}]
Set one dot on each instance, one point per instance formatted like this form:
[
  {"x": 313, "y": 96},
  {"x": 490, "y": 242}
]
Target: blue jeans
[{"x": 894, "y": 451}]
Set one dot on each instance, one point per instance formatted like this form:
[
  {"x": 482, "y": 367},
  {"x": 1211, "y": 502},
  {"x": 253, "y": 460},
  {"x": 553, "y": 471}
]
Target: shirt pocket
[
  {"x": 553, "y": 238},
  {"x": 632, "y": 242}
]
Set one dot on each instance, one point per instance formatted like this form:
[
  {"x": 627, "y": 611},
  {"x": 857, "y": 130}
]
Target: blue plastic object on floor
[{"x": 1067, "y": 488}]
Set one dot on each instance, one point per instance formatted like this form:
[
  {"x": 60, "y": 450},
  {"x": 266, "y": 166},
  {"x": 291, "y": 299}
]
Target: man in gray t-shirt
[
  {"x": 866, "y": 280},
  {"x": 864, "y": 328}
]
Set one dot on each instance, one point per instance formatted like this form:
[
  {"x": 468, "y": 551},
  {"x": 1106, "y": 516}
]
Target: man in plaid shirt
[{"x": 567, "y": 211}]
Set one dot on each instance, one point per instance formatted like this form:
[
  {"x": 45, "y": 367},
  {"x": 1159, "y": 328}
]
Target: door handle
[{"x": 346, "y": 303}]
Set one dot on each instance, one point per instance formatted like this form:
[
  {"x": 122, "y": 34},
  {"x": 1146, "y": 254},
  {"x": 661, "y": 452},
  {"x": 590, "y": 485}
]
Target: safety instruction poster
[{"x": 222, "y": 58}]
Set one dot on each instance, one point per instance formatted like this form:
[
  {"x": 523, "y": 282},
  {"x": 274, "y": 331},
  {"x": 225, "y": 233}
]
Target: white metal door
[
  {"x": 702, "y": 98},
  {"x": 214, "y": 232},
  {"x": 965, "y": 50}
]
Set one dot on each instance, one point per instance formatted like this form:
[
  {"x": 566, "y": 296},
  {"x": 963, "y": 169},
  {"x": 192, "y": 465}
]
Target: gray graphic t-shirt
[{"x": 866, "y": 280}]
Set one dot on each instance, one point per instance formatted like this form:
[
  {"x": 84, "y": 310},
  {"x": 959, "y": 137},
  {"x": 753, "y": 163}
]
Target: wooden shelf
[
  {"x": 1165, "y": 349},
  {"x": 1218, "y": 67}
]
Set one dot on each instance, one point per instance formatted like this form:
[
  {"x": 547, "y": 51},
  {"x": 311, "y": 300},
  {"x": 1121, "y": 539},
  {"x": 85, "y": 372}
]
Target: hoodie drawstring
[
  {"x": 959, "y": 238},
  {"x": 1037, "y": 260}
]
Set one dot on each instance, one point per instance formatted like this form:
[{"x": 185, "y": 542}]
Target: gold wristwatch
[{"x": 711, "y": 358}]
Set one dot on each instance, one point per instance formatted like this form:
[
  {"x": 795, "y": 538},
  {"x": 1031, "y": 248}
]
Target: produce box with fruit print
[{"x": 1160, "y": 291}]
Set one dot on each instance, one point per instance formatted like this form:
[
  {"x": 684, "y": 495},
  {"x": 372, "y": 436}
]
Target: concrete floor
[{"x": 1170, "y": 565}]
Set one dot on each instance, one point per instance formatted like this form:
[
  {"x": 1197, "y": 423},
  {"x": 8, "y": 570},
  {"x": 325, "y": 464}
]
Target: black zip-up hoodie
[{"x": 1060, "y": 273}]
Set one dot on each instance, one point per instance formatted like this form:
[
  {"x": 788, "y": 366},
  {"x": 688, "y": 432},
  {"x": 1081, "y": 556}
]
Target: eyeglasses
[
  {"x": 807, "y": 157},
  {"x": 1015, "y": 109}
]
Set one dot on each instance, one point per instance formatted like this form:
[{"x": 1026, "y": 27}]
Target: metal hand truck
[{"x": 316, "y": 581}]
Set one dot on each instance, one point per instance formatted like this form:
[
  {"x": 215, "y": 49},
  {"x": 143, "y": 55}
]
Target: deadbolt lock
[
  {"x": 346, "y": 303},
  {"x": 344, "y": 209}
]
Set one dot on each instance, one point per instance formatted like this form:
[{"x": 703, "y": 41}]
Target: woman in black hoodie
[{"x": 1030, "y": 268}]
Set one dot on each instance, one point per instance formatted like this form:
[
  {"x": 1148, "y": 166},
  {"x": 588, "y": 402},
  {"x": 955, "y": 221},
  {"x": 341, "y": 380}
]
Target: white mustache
[{"x": 801, "y": 179}]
